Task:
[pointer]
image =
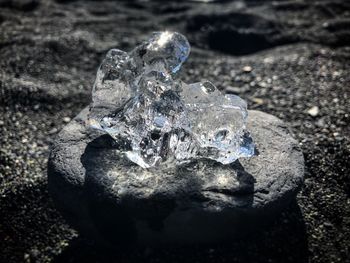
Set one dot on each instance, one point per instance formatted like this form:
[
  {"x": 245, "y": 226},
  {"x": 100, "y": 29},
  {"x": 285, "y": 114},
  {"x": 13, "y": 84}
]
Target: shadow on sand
[{"x": 284, "y": 241}]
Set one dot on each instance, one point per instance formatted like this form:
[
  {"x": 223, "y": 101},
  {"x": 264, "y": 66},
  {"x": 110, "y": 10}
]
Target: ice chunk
[
  {"x": 136, "y": 101},
  {"x": 217, "y": 122}
]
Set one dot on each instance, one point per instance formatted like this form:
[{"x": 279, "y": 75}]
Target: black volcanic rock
[{"x": 112, "y": 199}]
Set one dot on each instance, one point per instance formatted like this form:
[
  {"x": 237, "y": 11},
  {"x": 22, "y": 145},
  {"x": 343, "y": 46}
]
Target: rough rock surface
[
  {"x": 203, "y": 202},
  {"x": 49, "y": 54}
]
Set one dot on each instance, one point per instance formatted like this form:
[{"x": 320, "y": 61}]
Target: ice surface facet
[{"x": 160, "y": 120}]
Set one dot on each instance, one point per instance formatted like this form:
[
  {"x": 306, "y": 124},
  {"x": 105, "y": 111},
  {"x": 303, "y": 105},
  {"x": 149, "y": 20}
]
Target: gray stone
[{"x": 114, "y": 201}]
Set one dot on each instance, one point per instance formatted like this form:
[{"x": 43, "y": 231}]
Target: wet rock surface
[
  {"x": 110, "y": 198},
  {"x": 48, "y": 60}
]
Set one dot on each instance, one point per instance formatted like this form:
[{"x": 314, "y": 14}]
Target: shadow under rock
[{"x": 284, "y": 241}]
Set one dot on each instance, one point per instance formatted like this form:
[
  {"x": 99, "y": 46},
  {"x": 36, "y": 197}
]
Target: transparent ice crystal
[{"x": 161, "y": 120}]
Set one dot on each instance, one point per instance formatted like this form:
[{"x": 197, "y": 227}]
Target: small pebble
[
  {"x": 53, "y": 131},
  {"x": 247, "y": 68},
  {"x": 313, "y": 111},
  {"x": 66, "y": 119},
  {"x": 235, "y": 90},
  {"x": 258, "y": 101}
]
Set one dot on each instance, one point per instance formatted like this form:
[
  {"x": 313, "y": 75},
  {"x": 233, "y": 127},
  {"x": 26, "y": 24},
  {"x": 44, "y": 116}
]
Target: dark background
[{"x": 287, "y": 58}]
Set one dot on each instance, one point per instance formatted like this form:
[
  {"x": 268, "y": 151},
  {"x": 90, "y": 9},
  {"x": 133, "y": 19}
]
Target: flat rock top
[{"x": 82, "y": 156}]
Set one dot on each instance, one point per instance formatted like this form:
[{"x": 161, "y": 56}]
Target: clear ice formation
[{"x": 161, "y": 120}]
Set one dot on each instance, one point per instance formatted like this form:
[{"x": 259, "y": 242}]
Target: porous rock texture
[{"x": 113, "y": 200}]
